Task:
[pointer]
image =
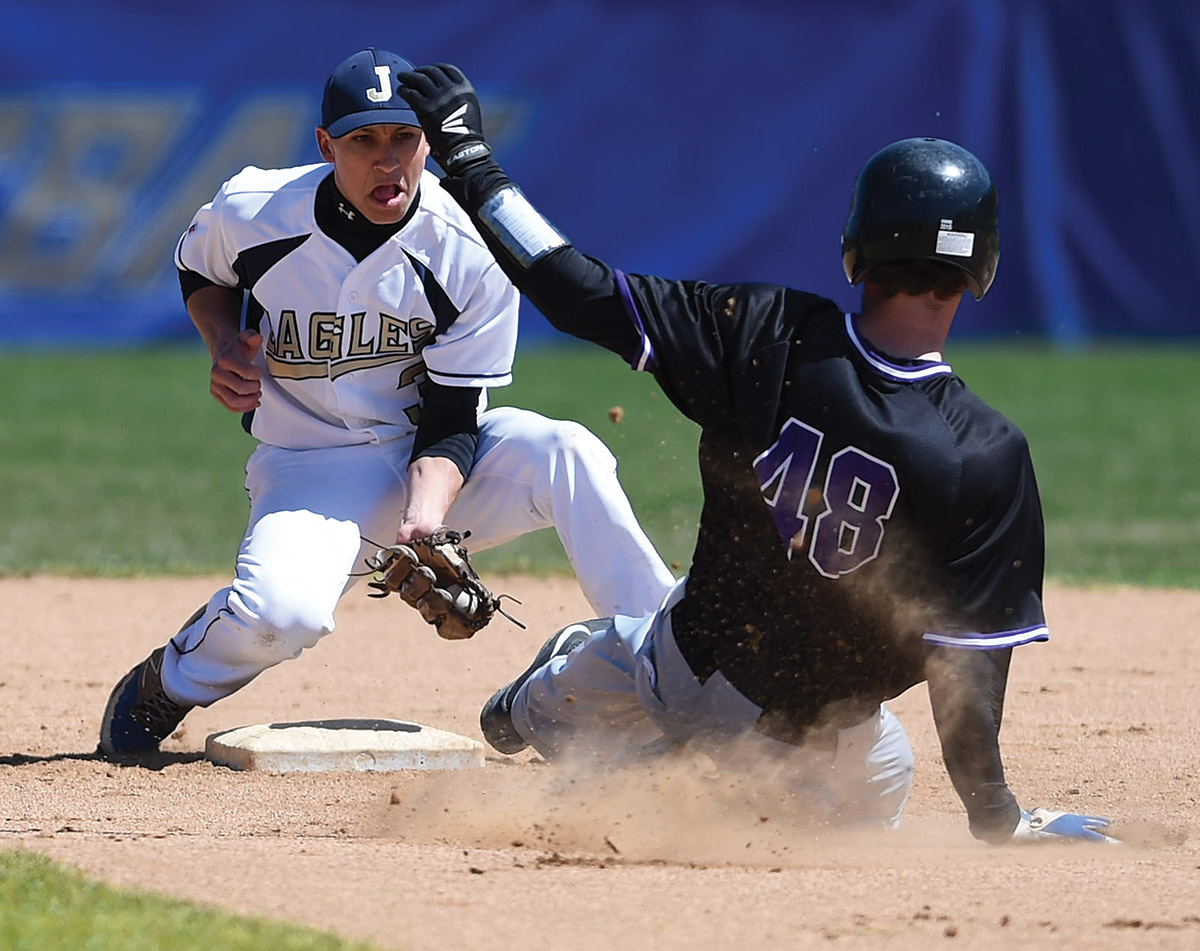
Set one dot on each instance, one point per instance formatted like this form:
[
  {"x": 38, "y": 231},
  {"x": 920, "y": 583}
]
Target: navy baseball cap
[{"x": 362, "y": 91}]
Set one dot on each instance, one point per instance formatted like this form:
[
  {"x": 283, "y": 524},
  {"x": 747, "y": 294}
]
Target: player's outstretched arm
[{"x": 966, "y": 693}]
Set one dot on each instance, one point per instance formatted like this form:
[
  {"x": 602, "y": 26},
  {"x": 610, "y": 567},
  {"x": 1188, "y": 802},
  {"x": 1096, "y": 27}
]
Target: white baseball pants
[
  {"x": 628, "y": 687},
  {"x": 308, "y": 509}
]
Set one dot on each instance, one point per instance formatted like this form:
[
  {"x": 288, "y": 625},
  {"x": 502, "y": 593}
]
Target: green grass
[
  {"x": 1115, "y": 436},
  {"x": 121, "y": 463},
  {"x": 44, "y": 907},
  {"x": 117, "y": 463},
  {"x": 655, "y": 446}
]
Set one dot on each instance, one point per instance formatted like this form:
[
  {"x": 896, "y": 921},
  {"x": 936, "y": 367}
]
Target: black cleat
[
  {"x": 496, "y": 717},
  {"x": 139, "y": 715}
]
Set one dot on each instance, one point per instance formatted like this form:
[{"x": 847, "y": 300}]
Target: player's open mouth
[{"x": 386, "y": 193}]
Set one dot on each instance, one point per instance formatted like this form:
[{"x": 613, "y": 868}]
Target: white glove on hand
[{"x": 1046, "y": 825}]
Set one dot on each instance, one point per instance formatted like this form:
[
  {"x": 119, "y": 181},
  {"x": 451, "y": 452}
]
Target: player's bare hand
[
  {"x": 236, "y": 380},
  {"x": 433, "y": 484},
  {"x": 418, "y": 528}
]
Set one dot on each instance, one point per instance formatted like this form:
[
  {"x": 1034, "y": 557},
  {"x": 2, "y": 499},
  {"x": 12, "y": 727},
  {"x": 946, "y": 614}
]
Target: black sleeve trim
[
  {"x": 190, "y": 282},
  {"x": 467, "y": 376}
]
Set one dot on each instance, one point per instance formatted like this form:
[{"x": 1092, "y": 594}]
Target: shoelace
[{"x": 158, "y": 712}]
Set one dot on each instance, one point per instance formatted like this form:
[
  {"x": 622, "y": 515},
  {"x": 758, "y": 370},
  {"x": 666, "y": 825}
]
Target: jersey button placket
[{"x": 348, "y": 297}]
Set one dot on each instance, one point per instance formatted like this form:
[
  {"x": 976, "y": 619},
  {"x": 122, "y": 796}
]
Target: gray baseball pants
[{"x": 628, "y": 688}]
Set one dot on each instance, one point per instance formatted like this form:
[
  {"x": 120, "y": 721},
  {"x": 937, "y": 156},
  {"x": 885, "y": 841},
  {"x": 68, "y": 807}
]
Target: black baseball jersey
[{"x": 857, "y": 508}]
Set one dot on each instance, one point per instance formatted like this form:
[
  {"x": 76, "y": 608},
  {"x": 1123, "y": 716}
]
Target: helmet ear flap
[{"x": 924, "y": 199}]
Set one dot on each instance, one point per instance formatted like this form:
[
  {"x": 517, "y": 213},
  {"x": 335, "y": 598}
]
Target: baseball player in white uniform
[{"x": 375, "y": 323}]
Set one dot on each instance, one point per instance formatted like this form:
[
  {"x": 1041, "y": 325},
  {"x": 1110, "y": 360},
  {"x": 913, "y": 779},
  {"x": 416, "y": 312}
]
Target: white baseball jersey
[{"x": 346, "y": 343}]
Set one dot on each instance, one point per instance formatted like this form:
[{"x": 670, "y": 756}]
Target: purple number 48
[{"x": 859, "y": 494}]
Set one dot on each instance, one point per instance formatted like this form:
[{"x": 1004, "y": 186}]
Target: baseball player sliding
[
  {"x": 868, "y": 522},
  {"x": 375, "y": 322}
]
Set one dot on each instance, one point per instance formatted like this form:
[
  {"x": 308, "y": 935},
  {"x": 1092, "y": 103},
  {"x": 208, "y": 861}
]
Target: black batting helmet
[{"x": 925, "y": 199}]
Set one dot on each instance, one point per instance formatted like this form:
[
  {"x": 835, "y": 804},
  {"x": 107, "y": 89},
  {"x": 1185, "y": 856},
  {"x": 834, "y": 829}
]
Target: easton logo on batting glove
[{"x": 445, "y": 102}]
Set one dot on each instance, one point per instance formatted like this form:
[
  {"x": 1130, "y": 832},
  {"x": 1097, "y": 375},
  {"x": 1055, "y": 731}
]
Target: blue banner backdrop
[{"x": 689, "y": 138}]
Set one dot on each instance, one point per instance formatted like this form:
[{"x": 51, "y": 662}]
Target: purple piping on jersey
[
  {"x": 886, "y": 368},
  {"x": 991, "y": 642},
  {"x": 646, "y": 358}
]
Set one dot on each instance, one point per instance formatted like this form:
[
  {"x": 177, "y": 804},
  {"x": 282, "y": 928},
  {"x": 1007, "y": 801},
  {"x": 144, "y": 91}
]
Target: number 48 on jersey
[{"x": 859, "y": 494}]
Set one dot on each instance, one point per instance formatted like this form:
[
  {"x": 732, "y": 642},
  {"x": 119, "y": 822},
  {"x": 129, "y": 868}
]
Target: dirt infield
[{"x": 1103, "y": 718}]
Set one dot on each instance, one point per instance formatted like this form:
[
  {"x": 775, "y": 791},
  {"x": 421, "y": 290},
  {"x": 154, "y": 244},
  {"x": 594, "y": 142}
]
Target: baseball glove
[{"x": 435, "y": 576}]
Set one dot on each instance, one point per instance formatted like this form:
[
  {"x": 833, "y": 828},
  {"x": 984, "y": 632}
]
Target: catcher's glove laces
[{"x": 434, "y": 574}]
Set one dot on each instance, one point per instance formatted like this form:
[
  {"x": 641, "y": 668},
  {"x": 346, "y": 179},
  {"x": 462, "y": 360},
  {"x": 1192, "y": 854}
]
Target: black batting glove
[{"x": 445, "y": 102}]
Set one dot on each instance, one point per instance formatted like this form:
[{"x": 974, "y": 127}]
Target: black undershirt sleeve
[
  {"x": 449, "y": 426},
  {"x": 966, "y": 694}
]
